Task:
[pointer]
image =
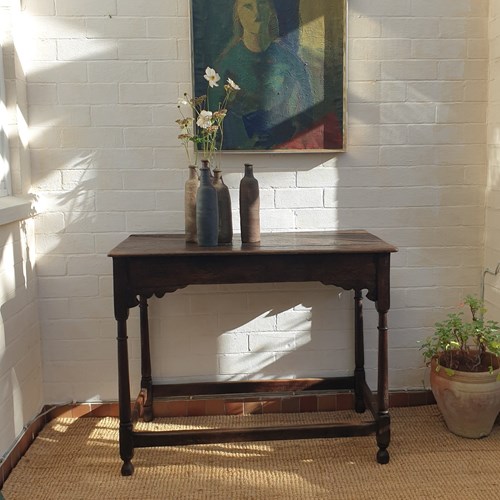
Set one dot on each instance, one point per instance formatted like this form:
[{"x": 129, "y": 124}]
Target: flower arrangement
[{"x": 205, "y": 129}]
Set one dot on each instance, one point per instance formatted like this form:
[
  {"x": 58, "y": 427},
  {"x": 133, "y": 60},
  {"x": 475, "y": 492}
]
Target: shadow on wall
[
  {"x": 20, "y": 362},
  {"x": 253, "y": 331}
]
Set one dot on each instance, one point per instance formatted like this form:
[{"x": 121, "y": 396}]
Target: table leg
[
  {"x": 383, "y": 420},
  {"x": 125, "y": 432},
  {"x": 146, "y": 380},
  {"x": 359, "y": 353}
]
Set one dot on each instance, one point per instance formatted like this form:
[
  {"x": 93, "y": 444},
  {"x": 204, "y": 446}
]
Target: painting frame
[{"x": 293, "y": 96}]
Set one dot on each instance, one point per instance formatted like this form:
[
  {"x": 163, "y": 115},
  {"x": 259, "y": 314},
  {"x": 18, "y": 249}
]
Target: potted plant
[{"x": 464, "y": 356}]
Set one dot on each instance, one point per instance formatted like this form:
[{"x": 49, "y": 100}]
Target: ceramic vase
[
  {"x": 190, "y": 192},
  {"x": 224, "y": 207},
  {"x": 207, "y": 211},
  {"x": 468, "y": 401},
  {"x": 249, "y": 207}
]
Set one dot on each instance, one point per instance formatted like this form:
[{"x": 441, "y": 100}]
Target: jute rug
[{"x": 78, "y": 459}]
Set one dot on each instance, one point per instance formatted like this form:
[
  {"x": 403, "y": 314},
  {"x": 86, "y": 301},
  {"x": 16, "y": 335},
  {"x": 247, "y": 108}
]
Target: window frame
[{"x": 5, "y": 177}]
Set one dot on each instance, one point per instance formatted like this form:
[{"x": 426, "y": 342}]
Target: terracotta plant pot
[{"x": 468, "y": 401}]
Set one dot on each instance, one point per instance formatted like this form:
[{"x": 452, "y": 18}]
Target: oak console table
[{"x": 147, "y": 265}]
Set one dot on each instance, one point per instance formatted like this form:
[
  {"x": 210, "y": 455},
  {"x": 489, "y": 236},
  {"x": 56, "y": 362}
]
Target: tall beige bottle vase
[
  {"x": 190, "y": 191},
  {"x": 225, "y": 213},
  {"x": 249, "y": 207}
]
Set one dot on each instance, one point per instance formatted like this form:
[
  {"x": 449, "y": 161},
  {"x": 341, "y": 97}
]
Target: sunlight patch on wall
[
  {"x": 17, "y": 402},
  {"x": 494, "y": 158},
  {"x": 22, "y": 127},
  {"x": 3, "y": 344},
  {"x": 7, "y": 275}
]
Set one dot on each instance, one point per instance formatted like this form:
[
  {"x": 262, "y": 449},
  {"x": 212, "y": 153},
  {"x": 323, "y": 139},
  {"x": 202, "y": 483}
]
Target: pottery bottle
[
  {"x": 190, "y": 191},
  {"x": 249, "y": 207},
  {"x": 224, "y": 207},
  {"x": 207, "y": 212}
]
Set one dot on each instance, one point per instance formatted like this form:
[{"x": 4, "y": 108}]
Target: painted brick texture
[
  {"x": 492, "y": 232},
  {"x": 103, "y": 83},
  {"x": 21, "y": 391}
]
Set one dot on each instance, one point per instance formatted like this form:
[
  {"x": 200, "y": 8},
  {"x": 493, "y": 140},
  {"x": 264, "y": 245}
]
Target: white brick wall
[
  {"x": 20, "y": 359},
  {"x": 21, "y": 391},
  {"x": 102, "y": 88},
  {"x": 492, "y": 233}
]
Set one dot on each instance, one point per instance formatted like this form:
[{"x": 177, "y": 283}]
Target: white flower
[
  {"x": 204, "y": 119},
  {"x": 212, "y": 77},
  {"x": 232, "y": 84}
]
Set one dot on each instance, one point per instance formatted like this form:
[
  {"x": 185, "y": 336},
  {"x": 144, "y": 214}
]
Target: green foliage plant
[{"x": 468, "y": 345}]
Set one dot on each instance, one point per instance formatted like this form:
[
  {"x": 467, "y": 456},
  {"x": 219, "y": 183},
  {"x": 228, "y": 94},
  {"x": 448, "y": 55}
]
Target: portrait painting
[{"x": 288, "y": 59}]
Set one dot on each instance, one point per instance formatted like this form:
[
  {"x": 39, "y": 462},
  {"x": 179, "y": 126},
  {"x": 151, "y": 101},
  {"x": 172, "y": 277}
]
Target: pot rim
[{"x": 473, "y": 377}]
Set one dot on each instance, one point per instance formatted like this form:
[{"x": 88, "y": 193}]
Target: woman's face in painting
[{"x": 254, "y": 15}]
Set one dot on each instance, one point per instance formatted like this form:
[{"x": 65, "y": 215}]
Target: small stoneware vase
[
  {"x": 190, "y": 192},
  {"x": 224, "y": 206},
  {"x": 207, "y": 211}
]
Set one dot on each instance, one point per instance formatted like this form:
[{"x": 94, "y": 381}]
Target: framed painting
[{"x": 288, "y": 58}]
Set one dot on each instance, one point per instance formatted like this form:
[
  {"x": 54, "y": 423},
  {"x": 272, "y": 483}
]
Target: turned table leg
[
  {"x": 359, "y": 353},
  {"x": 125, "y": 432},
  {"x": 382, "y": 305},
  {"x": 383, "y": 417},
  {"x": 146, "y": 380}
]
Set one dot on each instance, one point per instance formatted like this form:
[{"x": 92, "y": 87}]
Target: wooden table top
[{"x": 343, "y": 241}]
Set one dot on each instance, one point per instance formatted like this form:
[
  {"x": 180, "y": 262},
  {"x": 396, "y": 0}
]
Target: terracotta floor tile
[
  {"x": 196, "y": 408},
  {"x": 308, "y": 404},
  {"x": 271, "y": 406},
  {"x": 398, "y": 399},
  {"x": 327, "y": 403},
  {"x": 290, "y": 405},
  {"x": 176, "y": 408},
  {"x": 252, "y": 407},
  {"x": 234, "y": 408},
  {"x": 215, "y": 407},
  {"x": 345, "y": 401}
]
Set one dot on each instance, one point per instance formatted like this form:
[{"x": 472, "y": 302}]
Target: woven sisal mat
[{"x": 78, "y": 459}]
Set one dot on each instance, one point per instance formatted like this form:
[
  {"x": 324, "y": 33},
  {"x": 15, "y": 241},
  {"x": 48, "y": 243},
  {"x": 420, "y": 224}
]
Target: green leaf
[{"x": 449, "y": 372}]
